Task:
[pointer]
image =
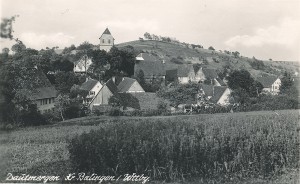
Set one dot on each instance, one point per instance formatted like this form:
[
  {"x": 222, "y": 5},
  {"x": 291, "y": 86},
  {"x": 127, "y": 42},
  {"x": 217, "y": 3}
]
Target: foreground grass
[{"x": 43, "y": 150}]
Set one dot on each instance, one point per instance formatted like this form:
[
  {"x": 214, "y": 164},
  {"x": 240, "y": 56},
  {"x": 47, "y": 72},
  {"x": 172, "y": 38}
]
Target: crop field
[{"x": 271, "y": 137}]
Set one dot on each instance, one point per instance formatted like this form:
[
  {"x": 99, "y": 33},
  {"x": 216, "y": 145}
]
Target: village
[
  {"x": 211, "y": 89},
  {"x": 149, "y": 92}
]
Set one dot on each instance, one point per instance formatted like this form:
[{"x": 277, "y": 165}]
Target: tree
[
  {"x": 64, "y": 81},
  {"x": 147, "y": 36},
  {"x": 286, "y": 83},
  {"x": 61, "y": 104},
  {"x": 243, "y": 85},
  {"x": 7, "y": 28},
  {"x": 211, "y": 48},
  {"x": 124, "y": 100}
]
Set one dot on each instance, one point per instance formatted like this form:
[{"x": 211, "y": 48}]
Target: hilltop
[{"x": 177, "y": 53}]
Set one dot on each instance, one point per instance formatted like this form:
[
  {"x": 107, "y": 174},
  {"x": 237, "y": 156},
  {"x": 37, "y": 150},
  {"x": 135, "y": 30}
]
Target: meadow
[{"x": 44, "y": 150}]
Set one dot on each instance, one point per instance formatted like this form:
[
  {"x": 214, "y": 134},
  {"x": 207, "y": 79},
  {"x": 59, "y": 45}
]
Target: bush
[
  {"x": 115, "y": 112},
  {"x": 174, "y": 149}
]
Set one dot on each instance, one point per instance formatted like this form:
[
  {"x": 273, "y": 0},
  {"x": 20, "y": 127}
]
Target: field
[{"x": 44, "y": 150}]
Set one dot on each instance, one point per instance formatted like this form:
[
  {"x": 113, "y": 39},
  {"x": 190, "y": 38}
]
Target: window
[
  {"x": 46, "y": 101},
  {"x": 41, "y": 102},
  {"x": 49, "y": 100},
  {"x": 109, "y": 41},
  {"x": 92, "y": 92},
  {"x": 102, "y": 40}
]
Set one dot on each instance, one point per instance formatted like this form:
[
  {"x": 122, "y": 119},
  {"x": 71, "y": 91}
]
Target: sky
[{"x": 266, "y": 29}]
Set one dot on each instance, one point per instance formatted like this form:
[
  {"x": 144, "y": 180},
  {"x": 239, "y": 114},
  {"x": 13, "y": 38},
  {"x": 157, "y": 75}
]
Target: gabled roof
[
  {"x": 208, "y": 89},
  {"x": 217, "y": 93},
  {"x": 88, "y": 85},
  {"x": 106, "y": 31},
  {"x": 44, "y": 92},
  {"x": 267, "y": 81},
  {"x": 111, "y": 86},
  {"x": 125, "y": 84},
  {"x": 146, "y": 57},
  {"x": 185, "y": 70},
  {"x": 210, "y": 73},
  {"x": 150, "y": 68},
  {"x": 221, "y": 82},
  {"x": 171, "y": 75}
]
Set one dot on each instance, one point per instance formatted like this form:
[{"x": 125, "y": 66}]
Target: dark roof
[
  {"x": 147, "y": 100},
  {"x": 221, "y": 82},
  {"x": 106, "y": 31},
  {"x": 208, "y": 89},
  {"x": 111, "y": 86},
  {"x": 88, "y": 85},
  {"x": 210, "y": 73},
  {"x": 267, "y": 81},
  {"x": 217, "y": 93},
  {"x": 171, "y": 75},
  {"x": 184, "y": 70},
  {"x": 150, "y": 68},
  {"x": 147, "y": 57},
  {"x": 125, "y": 84},
  {"x": 44, "y": 92}
]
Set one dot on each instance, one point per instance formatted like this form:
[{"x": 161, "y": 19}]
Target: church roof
[{"x": 106, "y": 31}]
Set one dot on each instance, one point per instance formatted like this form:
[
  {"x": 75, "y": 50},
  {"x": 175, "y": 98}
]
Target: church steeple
[{"x": 106, "y": 40}]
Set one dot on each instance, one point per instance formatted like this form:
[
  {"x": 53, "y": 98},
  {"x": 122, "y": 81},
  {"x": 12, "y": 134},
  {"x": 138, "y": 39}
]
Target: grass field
[{"x": 43, "y": 150}]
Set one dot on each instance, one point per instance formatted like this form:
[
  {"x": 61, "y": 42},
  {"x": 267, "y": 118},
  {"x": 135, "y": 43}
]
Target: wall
[
  {"x": 224, "y": 100},
  {"x": 106, "y": 45},
  {"x": 102, "y": 97},
  {"x": 43, "y": 107}
]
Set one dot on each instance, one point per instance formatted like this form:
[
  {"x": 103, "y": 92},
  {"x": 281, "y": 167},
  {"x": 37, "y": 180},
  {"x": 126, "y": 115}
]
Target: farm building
[
  {"x": 271, "y": 84},
  {"x": 43, "y": 94},
  {"x": 185, "y": 73},
  {"x": 129, "y": 85},
  {"x": 92, "y": 87},
  {"x": 101, "y": 98},
  {"x": 151, "y": 67},
  {"x": 215, "y": 94}
]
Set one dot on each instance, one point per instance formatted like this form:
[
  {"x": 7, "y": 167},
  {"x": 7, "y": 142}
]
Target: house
[
  {"x": 44, "y": 97},
  {"x": 82, "y": 65},
  {"x": 43, "y": 94},
  {"x": 185, "y": 73},
  {"x": 204, "y": 74},
  {"x": 101, "y": 98},
  {"x": 151, "y": 67},
  {"x": 92, "y": 87},
  {"x": 215, "y": 94},
  {"x": 106, "y": 41},
  {"x": 129, "y": 85},
  {"x": 271, "y": 84}
]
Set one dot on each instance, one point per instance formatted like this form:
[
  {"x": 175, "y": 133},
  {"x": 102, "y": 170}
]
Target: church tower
[{"x": 106, "y": 40}]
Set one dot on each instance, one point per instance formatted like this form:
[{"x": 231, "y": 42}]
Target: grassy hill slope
[{"x": 208, "y": 58}]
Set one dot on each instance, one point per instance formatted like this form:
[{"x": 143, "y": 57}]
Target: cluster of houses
[{"x": 211, "y": 86}]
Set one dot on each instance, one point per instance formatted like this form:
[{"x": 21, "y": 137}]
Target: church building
[{"x": 106, "y": 40}]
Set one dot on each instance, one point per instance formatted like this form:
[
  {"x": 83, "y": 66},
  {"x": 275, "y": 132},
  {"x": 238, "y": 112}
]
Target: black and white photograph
[{"x": 150, "y": 92}]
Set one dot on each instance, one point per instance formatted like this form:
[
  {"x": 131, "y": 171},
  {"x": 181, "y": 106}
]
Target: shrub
[
  {"x": 115, "y": 112},
  {"x": 259, "y": 145}
]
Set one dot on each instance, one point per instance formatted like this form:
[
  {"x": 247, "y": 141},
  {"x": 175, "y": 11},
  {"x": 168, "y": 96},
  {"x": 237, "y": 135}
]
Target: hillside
[{"x": 170, "y": 52}]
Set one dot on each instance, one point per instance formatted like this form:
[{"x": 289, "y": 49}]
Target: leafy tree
[
  {"x": 7, "y": 28},
  {"x": 211, "y": 48},
  {"x": 243, "y": 85},
  {"x": 124, "y": 100},
  {"x": 286, "y": 83},
  {"x": 180, "y": 94},
  {"x": 147, "y": 36},
  {"x": 64, "y": 81},
  {"x": 61, "y": 104}
]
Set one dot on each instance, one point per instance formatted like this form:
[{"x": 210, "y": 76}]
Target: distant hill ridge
[{"x": 177, "y": 53}]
